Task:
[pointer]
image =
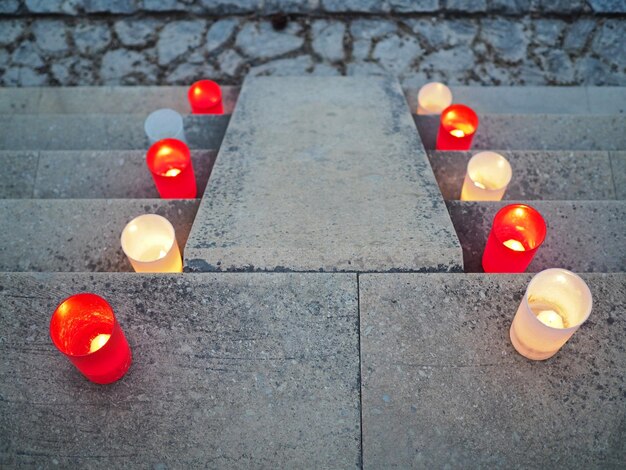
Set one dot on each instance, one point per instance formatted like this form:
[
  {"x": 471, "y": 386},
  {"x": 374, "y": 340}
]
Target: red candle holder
[
  {"x": 84, "y": 328},
  {"x": 169, "y": 160},
  {"x": 205, "y": 97},
  {"x": 457, "y": 126},
  {"x": 517, "y": 233}
]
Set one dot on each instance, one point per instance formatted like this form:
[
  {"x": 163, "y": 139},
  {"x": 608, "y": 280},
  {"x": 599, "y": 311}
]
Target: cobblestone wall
[{"x": 95, "y": 42}]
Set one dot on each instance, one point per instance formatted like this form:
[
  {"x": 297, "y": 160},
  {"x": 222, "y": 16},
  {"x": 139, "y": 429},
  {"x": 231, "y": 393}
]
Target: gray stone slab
[
  {"x": 229, "y": 371},
  {"x": 564, "y": 175},
  {"x": 323, "y": 173},
  {"x": 107, "y": 174},
  {"x": 618, "y": 165},
  {"x": 17, "y": 177},
  {"x": 538, "y": 132},
  {"x": 102, "y": 100},
  {"x": 99, "y": 131},
  {"x": 442, "y": 386},
  {"x": 607, "y": 99},
  {"x": 78, "y": 234},
  {"x": 583, "y": 236}
]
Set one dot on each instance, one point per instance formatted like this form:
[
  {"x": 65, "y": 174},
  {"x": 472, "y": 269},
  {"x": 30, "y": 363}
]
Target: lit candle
[
  {"x": 487, "y": 177},
  {"x": 169, "y": 160},
  {"x": 517, "y": 233},
  {"x": 149, "y": 242},
  {"x": 164, "y": 124},
  {"x": 205, "y": 97},
  {"x": 433, "y": 98},
  {"x": 84, "y": 328},
  {"x": 457, "y": 126},
  {"x": 556, "y": 303}
]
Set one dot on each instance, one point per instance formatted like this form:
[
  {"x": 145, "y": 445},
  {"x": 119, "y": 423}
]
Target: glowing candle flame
[
  {"x": 551, "y": 318},
  {"x": 98, "y": 342},
  {"x": 457, "y": 133},
  {"x": 514, "y": 245},
  {"x": 172, "y": 172}
]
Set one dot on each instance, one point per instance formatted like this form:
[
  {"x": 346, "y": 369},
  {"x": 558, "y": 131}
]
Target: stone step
[
  {"x": 535, "y": 99},
  {"x": 443, "y": 386},
  {"x": 322, "y": 174},
  {"x": 546, "y": 175},
  {"x": 583, "y": 236},
  {"x": 99, "y": 131},
  {"x": 78, "y": 234},
  {"x": 228, "y": 370},
  {"x": 103, "y": 100},
  {"x": 538, "y": 132},
  {"x": 87, "y": 174}
]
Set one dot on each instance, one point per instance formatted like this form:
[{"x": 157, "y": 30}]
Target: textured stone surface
[
  {"x": 328, "y": 39},
  {"x": 107, "y": 174},
  {"x": 442, "y": 385},
  {"x": 178, "y": 37},
  {"x": 78, "y": 234},
  {"x": 538, "y": 132},
  {"x": 583, "y": 236},
  {"x": 306, "y": 190},
  {"x": 99, "y": 131},
  {"x": 228, "y": 371},
  {"x": 536, "y": 175},
  {"x": 17, "y": 178},
  {"x": 618, "y": 165},
  {"x": 262, "y": 41}
]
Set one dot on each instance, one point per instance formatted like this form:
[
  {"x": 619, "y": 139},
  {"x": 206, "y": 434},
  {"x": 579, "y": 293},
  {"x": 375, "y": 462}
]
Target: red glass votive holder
[
  {"x": 169, "y": 160},
  {"x": 205, "y": 97},
  {"x": 457, "y": 126},
  {"x": 84, "y": 328},
  {"x": 517, "y": 233}
]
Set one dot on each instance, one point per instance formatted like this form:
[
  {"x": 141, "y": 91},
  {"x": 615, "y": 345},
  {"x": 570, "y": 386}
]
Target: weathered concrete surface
[
  {"x": 229, "y": 371},
  {"x": 583, "y": 236},
  {"x": 107, "y": 174},
  {"x": 79, "y": 234},
  {"x": 322, "y": 174},
  {"x": 103, "y": 100},
  {"x": 538, "y": 132},
  {"x": 99, "y": 131},
  {"x": 17, "y": 178},
  {"x": 535, "y": 99},
  {"x": 542, "y": 175},
  {"x": 618, "y": 166},
  {"x": 443, "y": 387}
]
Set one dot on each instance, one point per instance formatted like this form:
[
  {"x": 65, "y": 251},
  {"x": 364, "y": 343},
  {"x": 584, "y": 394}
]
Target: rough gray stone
[
  {"x": 24, "y": 76},
  {"x": 165, "y": 5},
  {"x": 592, "y": 71},
  {"x": 176, "y": 38},
  {"x": 122, "y": 65},
  {"x": 26, "y": 54},
  {"x": 467, "y": 6},
  {"x": 260, "y": 40},
  {"x": 311, "y": 177},
  {"x": 442, "y": 386},
  {"x": 136, "y": 32},
  {"x": 110, "y": 6},
  {"x": 578, "y": 35},
  {"x": 559, "y": 6},
  {"x": 50, "y": 35},
  {"x": 536, "y": 175},
  {"x": 413, "y": 6},
  {"x": 328, "y": 39},
  {"x": 371, "y": 28},
  {"x": 10, "y": 30},
  {"x": 9, "y": 6},
  {"x": 230, "y": 62},
  {"x": 91, "y": 38},
  {"x": 69, "y": 7},
  {"x": 457, "y": 60},
  {"x": 557, "y": 66},
  {"x": 397, "y": 54},
  {"x": 79, "y": 234},
  {"x": 187, "y": 73},
  {"x": 618, "y": 165},
  {"x": 506, "y": 37},
  {"x": 548, "y": 32},
  {"x": 62, "y": 70},
  {"x": 220, "y": 33},
  {"x": 609, "y": 42},
  {"x": 361, "y": 6},
  {"x": 222, "y": 7},
  {"x": 608, "y": 6},
  {"x": 300, "y": 65},
  {"x": 510, "y": 6},
  {"x": 365, "y": 69},
  {"x": 228, "y": 370},
  {"x": 325, "y": 70},
  {"x": 17, "y": 178},
  {"x": 437, "y": 34},
  {"x": 582, "y": 236}
]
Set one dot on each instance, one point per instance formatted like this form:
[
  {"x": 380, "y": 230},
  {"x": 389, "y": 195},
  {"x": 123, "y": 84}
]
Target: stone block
[
  {"x": 618, "y": 166},
  {"x": 17, "y": 178},
  {"x": 79, "y": 234},
  {"x": 582, "y": 236},
  {"x": 334, "y": 179},
  {"x": 228, "y": 371},
  {"x": 542, "y": 175},
  {"x": 442, "y": 386}
]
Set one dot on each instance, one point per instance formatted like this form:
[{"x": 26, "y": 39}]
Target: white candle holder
[
  {"x": 487, "y": 177},
  {"x": 164, "y": 124},
  {"x": 433, "y": 98},
  {"x": 556, "y": 303},
  {"x": 149, "y": 242}
]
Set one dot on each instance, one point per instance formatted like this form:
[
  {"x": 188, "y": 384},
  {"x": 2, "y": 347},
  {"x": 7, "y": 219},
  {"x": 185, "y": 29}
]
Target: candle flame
[
  {"x": 457, "y": 133},
  {"x": 172, "y": 172},
  {"x": 98, "y": 342},
  {"x": 514, "y": 245},
  {"x": 550, "y": 318},
  {"x": 197, "y": 91},
  {"x": 164, "y": 151}
]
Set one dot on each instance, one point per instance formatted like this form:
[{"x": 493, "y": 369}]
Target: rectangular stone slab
[
  {"x": 618, "y": 167},
  {"x": 79, "y": 234},
  {"x": 583, "y": 236},
  {"x": 322, "y": 174},
  {"x": 229, "y": 371},
  {"x": 17, "y": 178},
  {"x": 546, "y": 175},
  {"x": 442, "y": 386},
  {"x": 99, "y": 131}
]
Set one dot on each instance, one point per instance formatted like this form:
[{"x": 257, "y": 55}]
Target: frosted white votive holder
[
  {"x": 433, "y": 98},
  {"x": 164, "y": 124},
  {"x": 487, "y": 177}
]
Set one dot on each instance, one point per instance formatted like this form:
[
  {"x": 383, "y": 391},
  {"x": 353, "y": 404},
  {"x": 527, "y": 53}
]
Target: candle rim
[
  {"x": 177, "y": 144},
  {"x": 170, "y": 229},
  {"x": 508, "y": 207},
  {"x": 509, "y": 170},
  {"x": 567, "y": 273},
  {"x": 473, "y": 117}
]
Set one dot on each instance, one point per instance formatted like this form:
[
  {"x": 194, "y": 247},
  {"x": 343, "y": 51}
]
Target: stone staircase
[{"x": 392, "y": 355}]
